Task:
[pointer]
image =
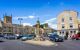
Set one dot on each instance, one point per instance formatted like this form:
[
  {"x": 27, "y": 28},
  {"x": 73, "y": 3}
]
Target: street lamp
[{"x": 20, "y": 19}]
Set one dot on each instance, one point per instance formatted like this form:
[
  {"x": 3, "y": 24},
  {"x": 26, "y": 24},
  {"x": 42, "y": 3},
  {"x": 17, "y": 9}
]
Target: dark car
[
  {"x": 1, "y": 38},
  {"x": 18, "y": 36},
  {"x": 1, "y": 35},
  {"x": 56, "y": 38}
]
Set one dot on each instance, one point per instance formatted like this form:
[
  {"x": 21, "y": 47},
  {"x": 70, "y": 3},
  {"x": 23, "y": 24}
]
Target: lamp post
[{"x": 20, "y": 19}]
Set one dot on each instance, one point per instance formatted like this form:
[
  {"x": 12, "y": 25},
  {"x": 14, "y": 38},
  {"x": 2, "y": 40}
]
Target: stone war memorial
[{"x": 41, "y": 31}]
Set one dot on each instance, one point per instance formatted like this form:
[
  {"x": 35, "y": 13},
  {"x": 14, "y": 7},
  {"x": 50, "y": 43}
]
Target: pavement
[
  {"x": 19, "y": 45},
  {"x": 41, "y": 43},
  {"x": 70, "y": 45}
]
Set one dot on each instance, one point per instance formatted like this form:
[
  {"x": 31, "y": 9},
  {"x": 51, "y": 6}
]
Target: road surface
[{"x": 19, "y": 45}]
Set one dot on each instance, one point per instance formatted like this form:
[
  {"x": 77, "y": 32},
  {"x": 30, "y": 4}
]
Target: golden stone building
[
  {"x": 79, "y": 25},
  {"x": 9, "y": 28},
  {"x": 20, "y": 29},
  {"x": 8, "y": 19},
  {"x": 28, "y": 29},
  {"x": 7, "y": 25},
  {"x": 1, "y": 26},
  {"x": 47, "y": 29},
  {"x": 67, "y": 23}
]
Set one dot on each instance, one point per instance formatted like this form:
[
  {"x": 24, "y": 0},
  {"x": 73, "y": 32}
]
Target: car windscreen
[{"x": 55, "y": 35}]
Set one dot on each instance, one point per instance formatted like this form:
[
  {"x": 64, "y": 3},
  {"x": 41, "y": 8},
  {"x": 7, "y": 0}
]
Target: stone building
[
  {"x": 79, "y": 25},
  {"x": 47, "y": 29},
  {"x": 67, "y": 23},
  {"x": 7, "y": 25},
  {"x": 28, "y": 30},
  {"x": 7, "y": 28},
  {"x": 1, "y": 26},
  {"x": 20, "y": 29},
  {"x": 17, "y": 28}
]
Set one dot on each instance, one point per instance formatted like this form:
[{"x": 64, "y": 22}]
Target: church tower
[{"x": 8, "y": 19}]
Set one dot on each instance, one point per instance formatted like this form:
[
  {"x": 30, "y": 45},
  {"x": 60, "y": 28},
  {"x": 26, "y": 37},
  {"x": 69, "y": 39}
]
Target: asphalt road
[{"x": 19, "y": 45}]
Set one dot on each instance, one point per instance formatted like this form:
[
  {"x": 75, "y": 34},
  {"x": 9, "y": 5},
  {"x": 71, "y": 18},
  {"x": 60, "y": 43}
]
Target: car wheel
[
  {"x": 77, "y": 39},
  {"x": 55, "y": 40},
  {"x": 62, "y": 41}
]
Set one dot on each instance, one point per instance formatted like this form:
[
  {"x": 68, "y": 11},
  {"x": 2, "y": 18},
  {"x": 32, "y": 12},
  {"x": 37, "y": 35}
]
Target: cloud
[
  {"x": 27, "y": 24},
  {"x": 31, "y": 17},
  {"x": 51, "y": 22},
  {"x": 24, "y": 17},
  {"x": 51, "y": 25}
]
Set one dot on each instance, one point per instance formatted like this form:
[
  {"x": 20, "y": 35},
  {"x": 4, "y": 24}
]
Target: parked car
[
  {"x": 1, "y": 35},
  {"x": 56, "y": 38},
  {"x": 18, "y": 36},
  {"x": 1, "y": 38},
  {"x": 75, "y": 36},
  {"x": 27, "y": 37},
  {"x": 49, "y": 34},
  {"x": 9, "y": 37}
]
